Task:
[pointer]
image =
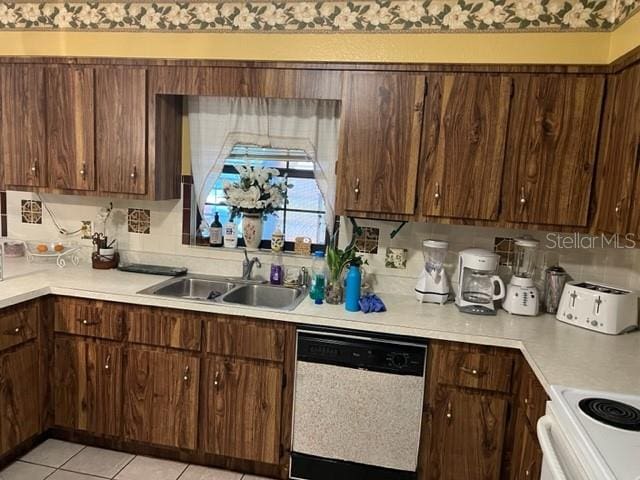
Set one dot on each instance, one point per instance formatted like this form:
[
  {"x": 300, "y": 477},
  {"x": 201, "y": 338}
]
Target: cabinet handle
[
  {"x": 527, "y": 403},
  {"x": 185, "y": 377},
  {"x": 14, "y": 331},
  {"x": 618, "y": 208},
  {"x": 523, "y": 197},
  {"x": 472, "y": 371},
  {"x": 88, "y": 322},
  {"x": 437, "y": 194},
  {"x": 449, "y": 414},
  {"x": 134, "y": 173},
  {"x": 356, "y": 190},
  {"x": 216, "y": 379},
  {"x": 83, "y": 171},
  {"x": 527, "y": 472},
  {"x": 34, "y": 169},
  {"x": 107, "y": 363}
]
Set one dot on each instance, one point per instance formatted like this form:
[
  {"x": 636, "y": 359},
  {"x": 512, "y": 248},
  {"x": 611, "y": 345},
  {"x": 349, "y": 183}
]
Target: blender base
[{"x": 432, "y": 297}]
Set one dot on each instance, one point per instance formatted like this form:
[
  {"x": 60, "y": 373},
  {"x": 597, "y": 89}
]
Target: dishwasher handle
[{"x": 550, "y": 457}]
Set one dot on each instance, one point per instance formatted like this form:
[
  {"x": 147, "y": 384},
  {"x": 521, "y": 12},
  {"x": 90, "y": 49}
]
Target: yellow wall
[
  {"x": 576, "y": 48},
  {"x": 625, "y": 38}
]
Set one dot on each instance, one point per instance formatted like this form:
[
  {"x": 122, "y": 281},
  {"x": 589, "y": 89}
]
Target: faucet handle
[{"x": 246, "y": 256}]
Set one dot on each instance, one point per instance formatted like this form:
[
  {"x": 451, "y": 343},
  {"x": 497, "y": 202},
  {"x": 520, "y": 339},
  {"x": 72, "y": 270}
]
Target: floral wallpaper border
[{"x": 324, "y": 16}]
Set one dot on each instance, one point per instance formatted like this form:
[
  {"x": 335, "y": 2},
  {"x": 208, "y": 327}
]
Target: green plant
[{"x": 338, "y": 259}]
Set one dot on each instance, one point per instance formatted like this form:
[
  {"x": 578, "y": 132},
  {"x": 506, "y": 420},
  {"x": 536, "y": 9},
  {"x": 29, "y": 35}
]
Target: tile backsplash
[{"x": 152, "y": 232}]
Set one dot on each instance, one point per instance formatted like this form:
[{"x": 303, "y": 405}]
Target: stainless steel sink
[
  {"x": 265, "y": 296},
  {"x": 192, "y": 288},
  {"x": 230, "y": 291}
]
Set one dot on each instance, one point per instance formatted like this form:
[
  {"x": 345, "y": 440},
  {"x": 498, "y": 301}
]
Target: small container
[
  {"x": 277, "y": 241},
  {"x": 318, "y": 278},
  {"x": 277, "y": 270},
  {"x": 230, "y": 234},
  {"x": 215, "y": 232},
  {"x": 352, "y": 293},
  {"x": 14, "y": 249},
  {"x": 554, "y": 280}
]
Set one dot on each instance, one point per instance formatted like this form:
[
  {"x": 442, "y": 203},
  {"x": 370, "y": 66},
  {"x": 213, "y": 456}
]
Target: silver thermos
[{"x": 554, "y": 280}]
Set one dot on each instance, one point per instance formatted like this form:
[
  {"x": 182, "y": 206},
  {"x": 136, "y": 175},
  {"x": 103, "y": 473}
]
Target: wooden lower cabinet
[
  {"x": 87, "y": 386},
  {"x": 242, "y": 408},
  {"x": 19, "y": 396},
  {"x": 466, "y": 435},
  {"x": 527, "y": 455},
  {"x": 161, "y": 397}
]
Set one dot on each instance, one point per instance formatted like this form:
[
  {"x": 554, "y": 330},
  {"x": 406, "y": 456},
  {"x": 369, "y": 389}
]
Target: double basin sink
[{"x": 229, "y": 291}]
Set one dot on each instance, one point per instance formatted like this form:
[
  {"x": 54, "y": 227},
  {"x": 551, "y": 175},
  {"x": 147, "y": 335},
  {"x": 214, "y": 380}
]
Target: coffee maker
[
  {"x": 477, "y": 282},
  {"x": 433, "y": 284}
]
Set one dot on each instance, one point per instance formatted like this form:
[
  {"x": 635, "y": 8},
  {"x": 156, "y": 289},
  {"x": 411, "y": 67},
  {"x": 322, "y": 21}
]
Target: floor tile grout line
[
  {"x": 182, "y": 472},
  {"x": 133, "y": 457},
  {"x": 72, "y": 456},
  {"x": 84, "y": 473}
]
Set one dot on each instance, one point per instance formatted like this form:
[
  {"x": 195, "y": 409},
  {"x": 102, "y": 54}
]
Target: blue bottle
[{"x": 352, "y": 294}]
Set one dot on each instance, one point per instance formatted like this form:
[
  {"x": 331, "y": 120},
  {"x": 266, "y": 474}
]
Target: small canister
[
  {"x": 554, "y": 280},
  {"x": 277, "y": 241}
]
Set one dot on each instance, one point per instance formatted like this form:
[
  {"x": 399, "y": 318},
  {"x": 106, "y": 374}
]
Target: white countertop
[{"x": 560, "y": 354}]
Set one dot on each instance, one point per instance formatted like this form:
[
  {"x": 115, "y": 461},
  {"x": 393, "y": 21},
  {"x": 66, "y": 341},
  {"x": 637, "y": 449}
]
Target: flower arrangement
[{"x": 259, "y": 191}]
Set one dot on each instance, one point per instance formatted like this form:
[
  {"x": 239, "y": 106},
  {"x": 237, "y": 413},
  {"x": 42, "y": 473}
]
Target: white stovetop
[{"x": 558, "y": 353}]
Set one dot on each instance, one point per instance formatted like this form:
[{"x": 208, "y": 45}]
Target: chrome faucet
[{"x": 247, "y": 265}]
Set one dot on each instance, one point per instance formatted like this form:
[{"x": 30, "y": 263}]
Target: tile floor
[{"x": 58, "y": 460}]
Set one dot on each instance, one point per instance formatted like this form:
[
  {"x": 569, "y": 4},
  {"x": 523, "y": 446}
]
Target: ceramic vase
[{"x": 252, "y": 230}]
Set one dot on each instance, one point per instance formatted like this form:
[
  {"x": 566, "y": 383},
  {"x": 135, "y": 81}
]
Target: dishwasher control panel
[{"x": 374, "y": 354}]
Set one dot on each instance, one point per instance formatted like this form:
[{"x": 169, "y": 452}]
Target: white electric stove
[{"x": 588, "y": 435}]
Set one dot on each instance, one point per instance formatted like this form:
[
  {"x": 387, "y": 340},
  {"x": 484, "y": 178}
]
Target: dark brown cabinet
[
  {"x": 465, "y": 130},
  {"x": 526, "y": 456},
  {"x": 380, "y": 142},
  {"x": 121, "y": 116},
  {"x": 87, "y": 386},
  {"x": 243, "y": 408},
  {"x": 161, "y": 397},
  {"x": 70, "y": 128},
  {"x": 22, "y": 125},
  {"x": 551, "y": 149},
  {"x": 19, "y": 396}
]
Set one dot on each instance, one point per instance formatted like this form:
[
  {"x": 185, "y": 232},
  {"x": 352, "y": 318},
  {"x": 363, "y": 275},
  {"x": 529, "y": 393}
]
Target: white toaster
[{"x": 598, "y": 307}]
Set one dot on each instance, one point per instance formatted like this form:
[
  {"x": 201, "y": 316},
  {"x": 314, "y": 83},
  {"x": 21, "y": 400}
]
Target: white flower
[
  {"x": 228, "y": 9},
  {"x": 7, "y": 15},
  {"x": 274, "y": 16},
  {"x": 611, "y": 12},
  {"x": 329, "y": 8},
  {"x": 135, "y": 10},
  {"x": 206, "y": 12},
  {"x": 491, "y": 13},
  {"x": 88, "y": 15},
  {"x": 629, "y": 2},
  {"x": 345, "y": 19},
  {"x": 435, "y": 8},
  {"x": 555, "y": 6},
  {"x": 304, "y": 12},
  {"x": 150, "y": 19},
  {"x": 411, "y": 11},
  {"x": 177, "y": 15},
  {"x": 244, "y": 19},
  {"x": 115, "y": 12},
  {"x": 63, "y": 19},
  {"x": 377, "y": 15},
  {"x": 577, "y": 17},
  {"x": 47, "y": 10},
  {"x": 529, "y": 9},
  {"x": 30, "y": 12},
  {"x": 456, "y": 17}
]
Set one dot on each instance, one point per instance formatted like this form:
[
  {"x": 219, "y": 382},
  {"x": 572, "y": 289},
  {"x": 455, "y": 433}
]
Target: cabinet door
[
  {"x": 465, "y": 132},
  {"x": 616, "y": 168},
  {"x": 380, "y": 145},
  {"x": 121, "y": 116},
  {"x": 87, "y": 386},
  {"x": 22, "y": 125},
  {"x": 551, "y": 149},
  {"x": 467, "y": 435},
  {"x": 19, "y": 396},
  {"x": 527, "y": 455},
  {"x": 161, "y": 398},
  {"x": 70, "y": 128},
  {"x": 243, "y": 409}
]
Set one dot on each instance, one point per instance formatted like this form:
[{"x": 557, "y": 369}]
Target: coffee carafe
[{"x": 478, "y": 286}]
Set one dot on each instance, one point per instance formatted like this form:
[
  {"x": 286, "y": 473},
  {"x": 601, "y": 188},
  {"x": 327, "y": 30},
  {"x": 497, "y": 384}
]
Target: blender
[
  {"x": 477, "y": 282},
  {"x": 522, "y": 295},
  {"x": 433, "y": 285}
]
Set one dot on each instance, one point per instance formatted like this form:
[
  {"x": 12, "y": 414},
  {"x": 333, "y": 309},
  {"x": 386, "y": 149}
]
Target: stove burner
[{"x": 612, "y": 413}]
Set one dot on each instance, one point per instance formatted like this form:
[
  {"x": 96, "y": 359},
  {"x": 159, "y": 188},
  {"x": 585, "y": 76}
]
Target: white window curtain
[{"x": 216, "y": 124}]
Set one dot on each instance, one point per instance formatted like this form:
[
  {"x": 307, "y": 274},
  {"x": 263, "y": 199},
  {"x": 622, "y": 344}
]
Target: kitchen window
[{"x": 304, "y": 213}]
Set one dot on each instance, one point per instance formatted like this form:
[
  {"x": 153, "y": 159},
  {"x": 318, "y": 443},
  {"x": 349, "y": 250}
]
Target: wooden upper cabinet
[
  {"x": 619, "y": 154},
  {"x": 70, "y": 128},
  {"x": 161, "y": 398},
  {"x": 380, "y": 143},
  {"x": 19, "y": 396},
  {"x": 88, "y": 386},
  {"x": 22, "y": 125},
  {"x": 465, "y": 130},
  {"x": 243, "y": 408},
  {"x": 551, "y": 149},
  {"x": 121, "y": 141}
]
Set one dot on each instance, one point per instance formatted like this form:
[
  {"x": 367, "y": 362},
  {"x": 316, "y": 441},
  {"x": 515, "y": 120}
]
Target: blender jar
[
  {"x": 434, "y": 252},
  {"x": 526, "y": 251}
]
